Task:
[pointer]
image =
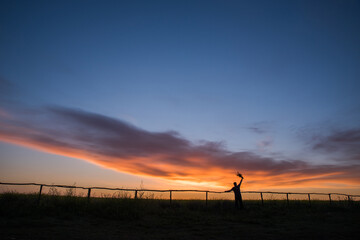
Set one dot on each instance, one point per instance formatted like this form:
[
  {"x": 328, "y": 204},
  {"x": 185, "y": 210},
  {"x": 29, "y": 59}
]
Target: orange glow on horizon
[{"x": 212, "y": 177}]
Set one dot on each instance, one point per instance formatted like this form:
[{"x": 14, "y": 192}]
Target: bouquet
[{"x": 239, "y": 175}]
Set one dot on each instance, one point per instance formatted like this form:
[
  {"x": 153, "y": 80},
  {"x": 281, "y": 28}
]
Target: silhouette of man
[{"x": 237, "y": 193}]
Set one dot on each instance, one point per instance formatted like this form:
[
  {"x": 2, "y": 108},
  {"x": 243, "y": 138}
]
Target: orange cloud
[{"x": 114, "y": 144}]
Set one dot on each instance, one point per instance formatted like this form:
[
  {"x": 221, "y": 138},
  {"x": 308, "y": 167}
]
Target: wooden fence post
[
  {"x": 170, "y": 196},
  {"x": 349, "y": 199},
  {"x": 41, "y": 186},
  {"x": 262, "y": 199},
  {"x": 89, "y": 193},
  {"x": 135, "y": 194},
  {"x": 207, "y": 198},
  {"x": 309, "y": 199},
  {"x": 287, "y": 198},
  {"x": 330, "y": 198}
]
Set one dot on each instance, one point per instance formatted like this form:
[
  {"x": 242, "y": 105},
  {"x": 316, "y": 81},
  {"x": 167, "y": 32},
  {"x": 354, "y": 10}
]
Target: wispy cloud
[
  {"x": 344, "y": 142},
  {"x": 116, "y": 144},
  {"x": 260, "y": 127},
  {"x": 263, "y": 145}
]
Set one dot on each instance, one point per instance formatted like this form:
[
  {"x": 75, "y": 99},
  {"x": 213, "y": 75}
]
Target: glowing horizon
[{"x": 114, "y": 144}]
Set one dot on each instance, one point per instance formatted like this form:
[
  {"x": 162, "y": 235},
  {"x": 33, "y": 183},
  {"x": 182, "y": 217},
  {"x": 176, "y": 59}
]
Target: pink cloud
[{"x": 115, "y": 144}]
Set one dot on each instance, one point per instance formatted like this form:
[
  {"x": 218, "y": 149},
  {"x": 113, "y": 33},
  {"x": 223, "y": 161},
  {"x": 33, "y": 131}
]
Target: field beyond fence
[
  {"x": 73, "y": 212},
  {"x": 176, "y": 194}
]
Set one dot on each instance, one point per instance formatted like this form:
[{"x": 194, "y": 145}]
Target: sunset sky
[{"x": 181, "y": 94}]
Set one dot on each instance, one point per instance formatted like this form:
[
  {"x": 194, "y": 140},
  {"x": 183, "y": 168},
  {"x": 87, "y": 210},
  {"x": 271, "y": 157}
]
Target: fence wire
[{"x": 171, "y": 194}]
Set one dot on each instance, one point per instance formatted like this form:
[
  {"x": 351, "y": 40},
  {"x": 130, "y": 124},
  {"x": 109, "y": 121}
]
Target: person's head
[{"x": 235, "y": 184}]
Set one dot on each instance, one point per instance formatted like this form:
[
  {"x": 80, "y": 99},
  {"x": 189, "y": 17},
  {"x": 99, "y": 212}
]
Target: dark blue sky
[{"x": 253, "y": 74}]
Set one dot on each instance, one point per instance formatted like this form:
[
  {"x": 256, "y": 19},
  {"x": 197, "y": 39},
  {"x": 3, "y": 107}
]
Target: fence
[{"x": 329, "y": 195}]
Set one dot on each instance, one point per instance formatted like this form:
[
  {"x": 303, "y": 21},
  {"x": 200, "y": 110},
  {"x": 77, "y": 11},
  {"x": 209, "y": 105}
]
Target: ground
[{"x": 157, "y": 219}]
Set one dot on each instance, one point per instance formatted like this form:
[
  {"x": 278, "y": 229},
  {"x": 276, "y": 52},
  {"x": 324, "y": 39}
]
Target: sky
[{"x": 181, "y": 94}]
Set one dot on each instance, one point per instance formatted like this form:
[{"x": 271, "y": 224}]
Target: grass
[{"x": 22, "y": 216}]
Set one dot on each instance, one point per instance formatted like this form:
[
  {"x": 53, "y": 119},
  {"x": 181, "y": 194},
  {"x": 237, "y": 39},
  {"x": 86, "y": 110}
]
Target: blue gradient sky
[{"x": 259, "y": 76}]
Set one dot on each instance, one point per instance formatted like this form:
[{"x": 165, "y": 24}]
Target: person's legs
[
  {"x": 241, "y": 202},
  {"x": 236, "y": 203}
]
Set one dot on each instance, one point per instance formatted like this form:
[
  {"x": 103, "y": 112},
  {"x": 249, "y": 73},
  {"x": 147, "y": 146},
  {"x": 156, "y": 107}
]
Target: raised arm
[
  {"x": 240, "y": 181},
  {"x": 240, "y": 176}
]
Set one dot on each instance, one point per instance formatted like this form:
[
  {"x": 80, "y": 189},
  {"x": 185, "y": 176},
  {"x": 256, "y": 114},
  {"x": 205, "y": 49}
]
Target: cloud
[
  {"x": 260, "y": 127},
  {"x": 257, "y": 130},
  {"x": 113, "y": 143},
  {"x": 344, "y": 142},
  {"x": 263, "y": 145}
]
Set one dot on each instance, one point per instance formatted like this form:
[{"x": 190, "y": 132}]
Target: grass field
[{"x": 22, "y": 216}]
